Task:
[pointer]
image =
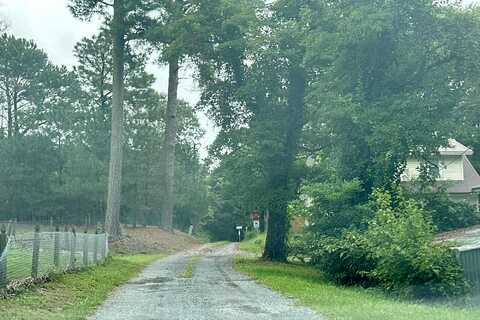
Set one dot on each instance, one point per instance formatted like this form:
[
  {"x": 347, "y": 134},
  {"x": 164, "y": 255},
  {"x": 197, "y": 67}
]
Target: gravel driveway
[{"x": 215, "y": 291}]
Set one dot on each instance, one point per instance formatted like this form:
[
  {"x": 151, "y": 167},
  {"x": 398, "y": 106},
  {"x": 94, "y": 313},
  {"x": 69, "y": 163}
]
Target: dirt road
[{"x": 167, "y": 290}]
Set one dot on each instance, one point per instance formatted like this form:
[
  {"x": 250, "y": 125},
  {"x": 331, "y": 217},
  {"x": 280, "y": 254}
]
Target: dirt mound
[{"x": 152, "y": 240}]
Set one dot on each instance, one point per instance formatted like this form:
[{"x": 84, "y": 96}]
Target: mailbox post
[{"x": 239, "y": 230}]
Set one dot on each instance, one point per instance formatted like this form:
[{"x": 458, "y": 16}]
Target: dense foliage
[
  {"x": 324, "y": 105},
  {"x": 395, "y": 251}
]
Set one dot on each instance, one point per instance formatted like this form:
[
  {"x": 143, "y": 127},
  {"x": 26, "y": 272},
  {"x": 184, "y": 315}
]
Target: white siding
[
  {"x": 451, "y": 168},
  {"x": 411, "y": 170}
]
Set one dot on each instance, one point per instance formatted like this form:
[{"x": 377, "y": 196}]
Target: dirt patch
[{"x": 152, "y": 240}]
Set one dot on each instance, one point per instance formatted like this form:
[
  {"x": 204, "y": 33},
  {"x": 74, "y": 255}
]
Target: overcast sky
[{"x": 53, "y": 28}]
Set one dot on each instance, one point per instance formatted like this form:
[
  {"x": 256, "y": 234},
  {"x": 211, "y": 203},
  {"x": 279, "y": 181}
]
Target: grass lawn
[
  {"x": 75, "y": 295},
  {"x": 306, "y": 284},
  {"x": 254, "y": 245},
  {"x": 218, "y": 244}
]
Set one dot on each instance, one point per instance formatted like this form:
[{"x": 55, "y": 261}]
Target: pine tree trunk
[
  {"x": 168, "y": 202},
  {"x": 280, "y": 184},
  {"x": 9, "y": 114},
  {"x": 16, "y": 126},
  {"x": 112, "y": 216}
]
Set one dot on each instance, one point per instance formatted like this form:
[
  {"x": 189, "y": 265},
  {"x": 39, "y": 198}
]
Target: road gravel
[{"x": 215, "y": 291}]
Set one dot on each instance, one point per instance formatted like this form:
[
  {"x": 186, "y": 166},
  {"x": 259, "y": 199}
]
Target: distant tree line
[{"x": 55, "y": 126}]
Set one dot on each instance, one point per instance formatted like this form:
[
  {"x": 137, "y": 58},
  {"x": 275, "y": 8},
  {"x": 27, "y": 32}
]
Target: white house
[{"x": 455, "y": 170}]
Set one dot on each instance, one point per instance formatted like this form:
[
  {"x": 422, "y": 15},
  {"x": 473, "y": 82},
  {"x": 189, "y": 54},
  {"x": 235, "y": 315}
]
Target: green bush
[
  {"x": 396, "y": 251},
  {"x": 250, "y": 235},
  {"x": 344, "y": 260},
  {"x": 444, "y": 213},
  {"x": 331, "y": 207},
  {"x": 449, "y": 215},
  {"x": 400, "y": 240}
]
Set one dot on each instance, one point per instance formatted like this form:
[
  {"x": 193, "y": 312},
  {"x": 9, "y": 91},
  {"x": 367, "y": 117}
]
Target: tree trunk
[
  {"x": 9, "y": 115},
  {"x": 276, "y": 242},
  {"x": 16, "y": 126},
  {"x": 280, "y": 184},
  {"x": 168, "y": 202},
  {"x": 112, "y": 216}
]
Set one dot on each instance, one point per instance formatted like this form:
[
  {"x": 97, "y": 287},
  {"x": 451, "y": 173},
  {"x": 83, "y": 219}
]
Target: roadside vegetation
[
  {"x": 218, "y": 244},
  {"x": 253, "y": 244},
  {"x": 188, "y": 272},
  {"x": 311, "y": 288},
  {"x": 320, "y": 106},
  {"x": 387, "y": 242},
  {"x": 73, "y": 296}
]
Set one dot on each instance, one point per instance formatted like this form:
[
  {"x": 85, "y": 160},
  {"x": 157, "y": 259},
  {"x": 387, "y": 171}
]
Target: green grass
[
  {"x": 19, "y": 262},
  {"x": 188, "y": 272},
  {"x": 218, "y": 244},
  {"x": 254, "y": 245},
  {"x": 307, "y": 285},
  {"x": 74, "y": 296}
]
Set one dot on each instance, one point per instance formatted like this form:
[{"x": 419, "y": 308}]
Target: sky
[{"x": 51, "y": 25}]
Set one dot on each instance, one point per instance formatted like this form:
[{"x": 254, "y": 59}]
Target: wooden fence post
[
  {"x": 85, "y": 248},
  {"x": 73, "y": 248},
  {"x": 102, "y": 246},
  {"x": 95, "y": 246},
  {"x": 3, "y": 262},
  {"x": 36, "y": 251},
  {"x": 56, "y": 247}
]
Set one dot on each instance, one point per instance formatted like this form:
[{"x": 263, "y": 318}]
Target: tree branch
[{"x": 105, "y": 3}]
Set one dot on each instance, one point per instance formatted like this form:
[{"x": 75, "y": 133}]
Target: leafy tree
[
  {"x": 393, "y": 78},
  {"x": 269, "y": 91}
]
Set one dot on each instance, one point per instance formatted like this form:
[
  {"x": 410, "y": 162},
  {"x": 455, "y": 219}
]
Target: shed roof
[{"x": 455, "y": 148}]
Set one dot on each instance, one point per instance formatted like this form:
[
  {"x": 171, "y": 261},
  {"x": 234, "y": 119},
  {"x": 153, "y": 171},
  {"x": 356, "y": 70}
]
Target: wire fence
[{"x": 36, "y": 254}]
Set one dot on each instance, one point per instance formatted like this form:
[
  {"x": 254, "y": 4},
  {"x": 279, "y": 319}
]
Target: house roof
[
  {"x": 471, "y": 180},
  {"x": 455, "y": 148}
]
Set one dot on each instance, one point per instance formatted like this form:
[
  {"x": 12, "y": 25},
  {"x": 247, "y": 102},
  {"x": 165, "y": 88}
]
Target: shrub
[
  {"x": 332, "y": 207},
  {"x": 445, "y": 214},
  {"x": 344, "y": 260},
  {"x": 396, "y": 251},
  {"x": 400, "y": 240}
]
